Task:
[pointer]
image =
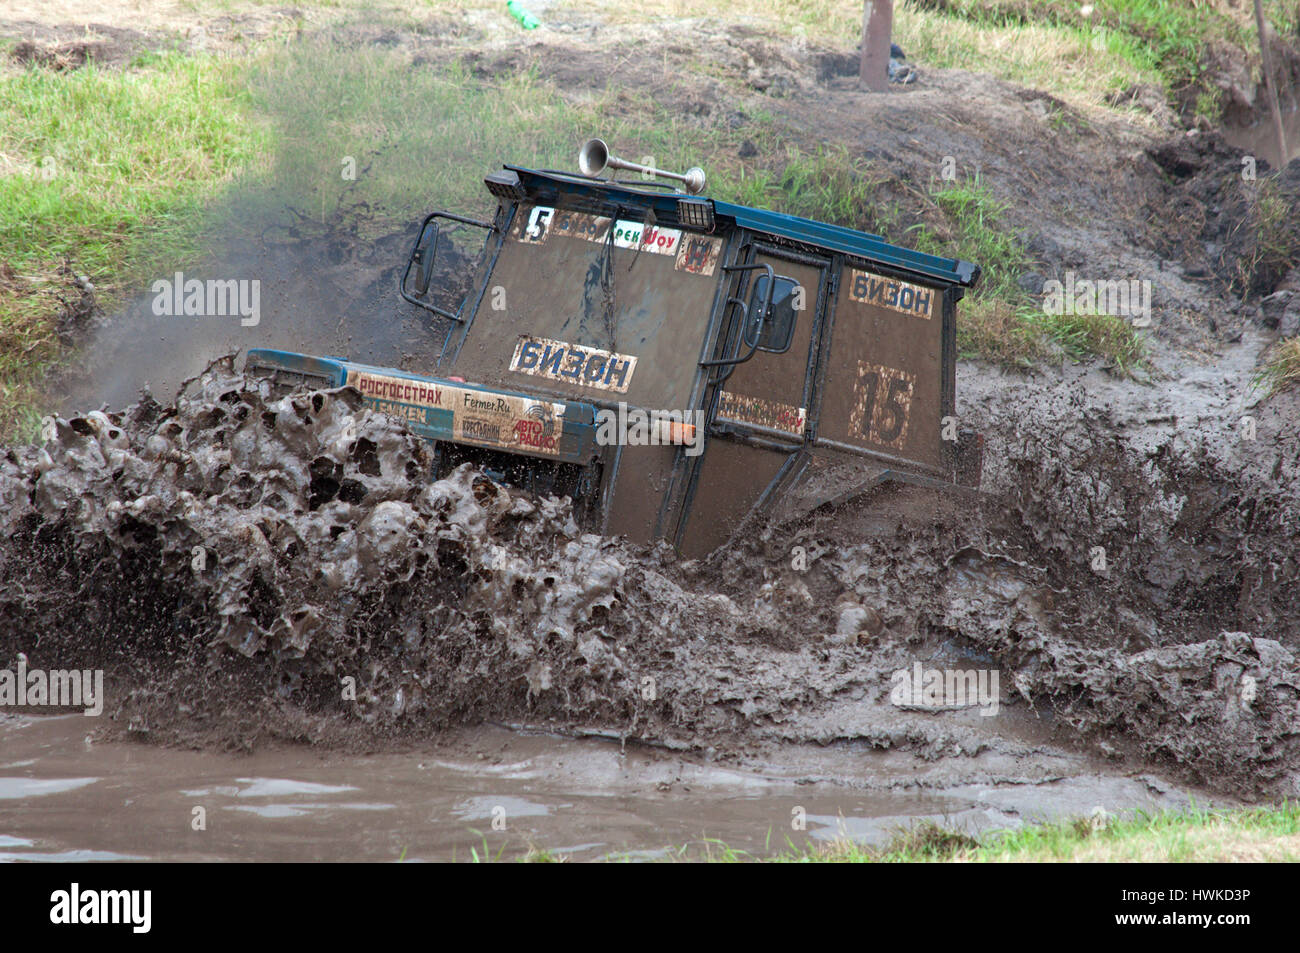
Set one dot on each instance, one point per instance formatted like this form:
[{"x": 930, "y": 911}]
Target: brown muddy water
[
  {"x": 67, "y": 797},
  {"x": 1261, "y": 138}
]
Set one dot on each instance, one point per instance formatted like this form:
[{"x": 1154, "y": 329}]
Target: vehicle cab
[{"x": 793, "y": 360}]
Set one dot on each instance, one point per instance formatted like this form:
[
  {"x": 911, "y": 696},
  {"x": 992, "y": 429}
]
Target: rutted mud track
[{"x": 233, "y": 560}]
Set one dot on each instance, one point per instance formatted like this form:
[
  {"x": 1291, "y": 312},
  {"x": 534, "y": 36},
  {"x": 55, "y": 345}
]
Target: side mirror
[
  {"x": 423, "y": 257},
  {"x": 771, "y": 328}
]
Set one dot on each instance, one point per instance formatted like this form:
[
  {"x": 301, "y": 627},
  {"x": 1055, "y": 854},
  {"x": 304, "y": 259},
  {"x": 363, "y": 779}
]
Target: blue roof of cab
[{"x": 832, "y": 237}]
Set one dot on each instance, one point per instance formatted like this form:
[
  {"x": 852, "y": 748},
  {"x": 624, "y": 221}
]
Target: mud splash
[
  {"x": 270, "y": 550},
  {"x": 246, "y": 568}
]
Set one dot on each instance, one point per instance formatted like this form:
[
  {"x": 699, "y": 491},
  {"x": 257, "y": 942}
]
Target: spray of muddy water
[
  {"x": 277, "y": 548},
  {"x": 321, "y": 222},
  {"x": 323, "y": 290},
  {"x": 237, "y": 563}
]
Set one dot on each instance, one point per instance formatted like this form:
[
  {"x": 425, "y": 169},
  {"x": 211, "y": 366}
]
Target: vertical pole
[
  {"x": 1269, "y": 83},
  {"x": 877, "y": 29}
]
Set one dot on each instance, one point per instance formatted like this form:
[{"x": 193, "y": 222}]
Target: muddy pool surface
[{"x": 64, "y": 798}]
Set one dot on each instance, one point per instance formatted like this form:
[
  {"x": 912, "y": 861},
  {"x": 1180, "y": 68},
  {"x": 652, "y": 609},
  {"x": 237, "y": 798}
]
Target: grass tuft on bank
[
  {"x": 1193, "y": 835},
  {"x": 1281, "y": 370},
  {"x": 103, "y": 175},
  {"x": 999, "y": 320}
]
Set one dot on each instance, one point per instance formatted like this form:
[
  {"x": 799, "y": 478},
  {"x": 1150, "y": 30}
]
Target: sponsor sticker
[
  {"x": 466, "y": 415},
  {"x": 699, "y": 255},
  {"x": 591, "y": 228},
  {"x": 503, "y": 420},
  {"x": 762, "y": 413},
  {"x": 891, "y": 293},
  {"x": 573, "y": 364},
  {"x": 651, "y": 238},
  {"x": 541, "y": 221},
  {"x": 695, "y": 254},
  {"x": 421, "y": 402}
]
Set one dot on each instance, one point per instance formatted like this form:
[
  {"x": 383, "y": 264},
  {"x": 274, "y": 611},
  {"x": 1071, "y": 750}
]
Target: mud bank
[{"x": 247, "y": 568}]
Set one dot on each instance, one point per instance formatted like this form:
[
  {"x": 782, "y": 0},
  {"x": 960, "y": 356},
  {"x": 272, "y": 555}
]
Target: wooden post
[
  {"x": 877, "y": 30},
  {"x": 1268, "y": 83}
]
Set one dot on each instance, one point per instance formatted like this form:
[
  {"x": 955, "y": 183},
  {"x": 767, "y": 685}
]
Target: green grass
[
  {"x": 1273, "y": 240},
  {"x": 996, "y": 320},
  {"x": 1160, "y": 34},
  {"x": 1069, "y": 59},
  {"x": 1194, "y": 835},
  {"x": 999, "y": 321},
  {"x": 828, "y": 185},
  {"x": 130, "y": 151},
  {"x": 976, "y": 232},
  {"x": 106, "y": 170},
  {"x": 1281, "y": 370},
  {"x": 1109, "y": 337},
  {"x": 532, "y": 854},
  {"x": 1165, "y": 39}
]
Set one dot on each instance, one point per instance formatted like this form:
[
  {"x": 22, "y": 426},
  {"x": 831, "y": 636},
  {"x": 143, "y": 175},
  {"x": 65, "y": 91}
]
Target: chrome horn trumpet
[{"x": 594, "y": 158}]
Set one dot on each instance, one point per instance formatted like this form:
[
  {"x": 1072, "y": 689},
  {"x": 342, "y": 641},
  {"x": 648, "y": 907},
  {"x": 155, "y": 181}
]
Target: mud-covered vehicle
[{"x": 676, "y": 364}]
